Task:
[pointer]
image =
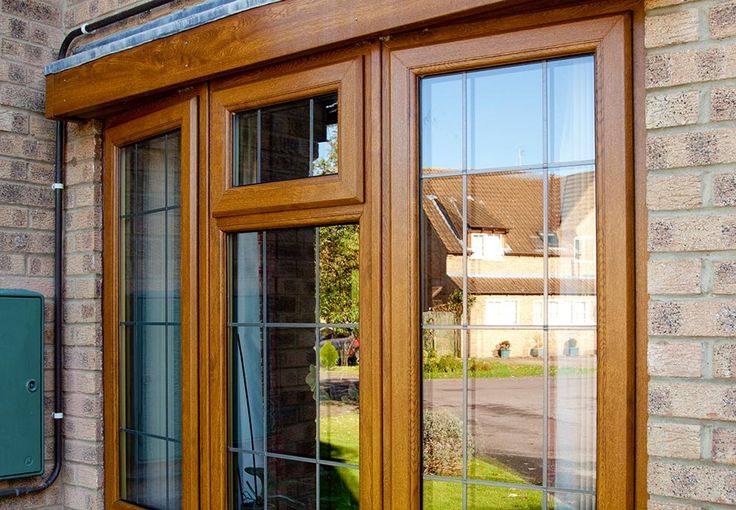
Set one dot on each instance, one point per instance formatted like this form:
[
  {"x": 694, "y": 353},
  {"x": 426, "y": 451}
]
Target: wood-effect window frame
[
  {"x": 154, "y": 120},
  {"x": 104, "y": 88},
  {"x": 341, "y": 73},
  {"x": 467, "y": 47}
]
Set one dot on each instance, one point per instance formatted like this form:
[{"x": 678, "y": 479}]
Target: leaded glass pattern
[
  {"x": 294, "y": 357},
  {"x": 150, "y": 323},
  {"x": 508, "y": 283}
]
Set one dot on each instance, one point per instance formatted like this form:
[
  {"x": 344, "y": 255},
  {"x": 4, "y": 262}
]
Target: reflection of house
[{"x": 505, "y": 265}]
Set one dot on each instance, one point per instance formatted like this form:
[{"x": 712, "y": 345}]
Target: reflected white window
[
  {"x": 502, "y": 312},
  {"x": 486, "y": 246}
]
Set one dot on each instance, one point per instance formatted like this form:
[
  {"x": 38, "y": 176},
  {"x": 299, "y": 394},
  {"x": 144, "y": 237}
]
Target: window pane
[
  {"x": 150, "y": 334},
  {"x": 571, "y": 90},
  {"x": 505, "y": 117},
  {"x": 294, "y": 364},
  {"x": 441, "y": 124},
  {"x": 508, "y": 276},
  {"x": 286, "y": 141}
]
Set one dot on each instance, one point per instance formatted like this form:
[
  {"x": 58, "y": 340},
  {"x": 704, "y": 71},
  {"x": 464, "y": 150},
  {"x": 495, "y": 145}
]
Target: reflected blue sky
[{"x": 504, "y": 116}]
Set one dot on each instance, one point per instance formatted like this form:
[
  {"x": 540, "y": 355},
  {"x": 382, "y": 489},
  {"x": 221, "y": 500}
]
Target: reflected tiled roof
[{"x": 504, "y": 285}]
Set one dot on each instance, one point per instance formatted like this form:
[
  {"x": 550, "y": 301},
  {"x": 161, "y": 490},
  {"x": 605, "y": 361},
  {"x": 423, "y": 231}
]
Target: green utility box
[{"x": 21, "y": 384}]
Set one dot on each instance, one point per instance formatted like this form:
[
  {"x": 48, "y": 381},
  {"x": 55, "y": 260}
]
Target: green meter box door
[{"x": 21, "y": 384}]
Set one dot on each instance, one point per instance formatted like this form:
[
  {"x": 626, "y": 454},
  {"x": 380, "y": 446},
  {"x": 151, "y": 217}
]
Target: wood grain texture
[
  {"x": 159, "y": 119},
  {"x": 255, "y": 36}
]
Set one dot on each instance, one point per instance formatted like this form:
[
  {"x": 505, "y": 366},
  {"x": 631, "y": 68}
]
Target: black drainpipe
[{"x": 58, "y": 187}]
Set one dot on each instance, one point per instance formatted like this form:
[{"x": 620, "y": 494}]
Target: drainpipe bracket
[
  {"x": 57, "y": 416},
  {"x": 57, "y": 185}
]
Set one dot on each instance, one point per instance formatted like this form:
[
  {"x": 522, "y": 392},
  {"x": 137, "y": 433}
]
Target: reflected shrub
[
  {"x": 442, "y": 437},
  {"x": 328, "y": 356},
  {"x": 441, "y": 364}
]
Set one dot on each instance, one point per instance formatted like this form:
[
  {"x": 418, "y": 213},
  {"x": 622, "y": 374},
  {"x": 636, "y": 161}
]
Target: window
[
  {"x": 486, "y": 246},
  {"x": 150, "y": 363},
  {"x": 480, "y": 289}
]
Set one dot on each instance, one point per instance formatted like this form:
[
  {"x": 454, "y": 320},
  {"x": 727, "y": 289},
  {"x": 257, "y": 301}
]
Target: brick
[
  {"x": 42, "y": 128},
  {"x": 656, "y": 505},
  {"x": 697, "y": 399},
  {"x": 83, "y": 264},
  {"x": 724, "y": 361},
  {"x": 692, "y": 233},
  {"x": 722, "y": 20},
  {"x": 84, "y": 429},
  {"x": 40, "y": 173},
  {"x": 695, "y": 148},
  {"x": 655, "y": 4},
  {"x": 675, "y": 359},
  {"x": 43, "y": 285},
  {"x": 20, "y": 194},
  {"x": 12, "y": 264},
  {"x": 84, "y": 241},
  {"x": 83, "y": 405},
  {"x": 674, "y": 440},
  {"x": 83, "y": 288},
  {"x": 80, "y": 498},
  {"x": 82, "y": 381},
  {"x": 82, "y": 311},
  {"x": 21, "y": 97},
  {"x": 724, "y": 277},
  {"x": 33, "y": 10},
  {"x": 691, "y": 66},
  {"x": 723, "y": 104},
  {"x": 84, "y": 195},
  {"x": 42, "y": 219},
  {"x": 724, "y": 190},
  {"x": 672, "y": 109},
  {"x": 13, "y": 122},
  {"x": 14, "y": 217},
  {"x": 668, "y": 276},
  {"x": 13, "y": 169},
  {"x": 26, "y": 242},
  {"x": 668, "y": 29},
  {"x": 82, "y": 358},
  {"x": 41, "y": 265},
  {"x": 83, "y": 475},
  {"x": 25, "y": 52},
  {"x": 83, "y": 219},
  {"x": 83, "y": 335},
  {"x": 670, "y": 192},
  {"x": 715, "y": 484},
  {"x": 83, "y": 451},
  {"x": 706, "y": 317},
  {"x": 724, "y": 445}
]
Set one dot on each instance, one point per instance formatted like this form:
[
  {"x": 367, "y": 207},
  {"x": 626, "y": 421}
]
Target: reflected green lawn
[{"x": 339, "y": 440}]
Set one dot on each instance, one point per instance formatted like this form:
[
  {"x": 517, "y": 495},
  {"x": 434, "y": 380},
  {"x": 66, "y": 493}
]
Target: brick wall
[{"x": 691, "y": 194}]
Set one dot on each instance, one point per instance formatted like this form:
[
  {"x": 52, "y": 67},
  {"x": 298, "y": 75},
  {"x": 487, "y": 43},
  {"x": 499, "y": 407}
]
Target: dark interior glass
[
  {"x": 150, "y": 333},
  {"x": 294, "y": 368},
  {"x": 286, "y": 141}
]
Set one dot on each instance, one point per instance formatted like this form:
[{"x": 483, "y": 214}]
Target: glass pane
[
  {"x": 505, "y": 407},
  {"x": 505, "y": 116},
  {"x": 442, "y": 250},
  {"x": 291, "y": 275},
  {"x": 572, "y": 250},
  {"x": 150, "y": 334},
  {"x": 505, "y": 248},
  {"x": 144, "y": 470},
  {"x": 299, "y": 335},
  {"x": 443, "y": 435},
  {"x": 246, "y": 273},
  {"x": 339, "y": 359},
  {"x": 246, "y": 481},
  {"x": 246, "y": 388},
  {"x": 438, "y": 495},
  {"x": 339, "y": 489},
  {"x": 563, "y": 501},
  {"x": 482, "y": 497},
  {"x": 286, "y": 141},
  {"x": 572, "y": 409},
  {"x": 441, "y": 124},
  {"x": 292, "y": 409},
  {"x": 571, "y": 91},
  {"x": 291, "y": 484}
]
